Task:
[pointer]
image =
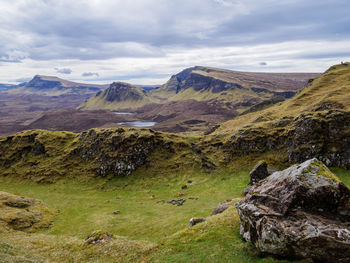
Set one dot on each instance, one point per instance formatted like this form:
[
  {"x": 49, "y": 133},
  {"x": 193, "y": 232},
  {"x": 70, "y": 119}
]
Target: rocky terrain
[
  {"x": 301, "y": 212},
  {"x": 148, "y": 185}
]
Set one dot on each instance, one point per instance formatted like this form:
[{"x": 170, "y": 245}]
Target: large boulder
[{"x": 301, "y": 212}]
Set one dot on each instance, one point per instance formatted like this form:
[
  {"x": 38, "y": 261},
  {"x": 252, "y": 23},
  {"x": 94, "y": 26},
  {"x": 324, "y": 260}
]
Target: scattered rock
[
  {"x": 258, "y": 173},
  {"x": 184, "y": 187},
  {"x": 220, "y": 208},
  {"x": 195, "y": 221},
  {"x": 116, "y": 212},
  {"x": 177, "y": 202},
  {"x": 189, "y": 181},
  {"x": 193, "y": 198},
  {"x": 301, "y": 212},
  {"x": 98, "y": 237}
]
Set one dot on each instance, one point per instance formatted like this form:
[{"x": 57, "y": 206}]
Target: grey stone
[{"x": 301, "y": 212}]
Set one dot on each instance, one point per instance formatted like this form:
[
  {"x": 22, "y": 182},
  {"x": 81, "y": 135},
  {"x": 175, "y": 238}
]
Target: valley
[{"x": 133, "y": 191}]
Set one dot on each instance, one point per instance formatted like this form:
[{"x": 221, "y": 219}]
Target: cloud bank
[{"x": 148, "y": 39}]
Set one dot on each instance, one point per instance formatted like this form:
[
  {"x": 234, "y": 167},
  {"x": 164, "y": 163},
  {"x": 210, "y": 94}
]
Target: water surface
[{"x": 138, "y": 123}]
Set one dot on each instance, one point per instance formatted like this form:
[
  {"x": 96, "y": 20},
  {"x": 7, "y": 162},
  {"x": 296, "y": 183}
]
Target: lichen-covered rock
[
  {"x": 221, "y": 208},
  {"x": 301, "y": 212},
  {"x": 20, "y": 213},
  {"x": 324, "y": 135},
  {"x": 120, "y": 151},
  {"x": 259, "y": 172}
]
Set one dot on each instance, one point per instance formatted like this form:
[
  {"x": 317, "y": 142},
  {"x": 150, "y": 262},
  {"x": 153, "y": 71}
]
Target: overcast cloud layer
[{"x": 146, "y": 41}]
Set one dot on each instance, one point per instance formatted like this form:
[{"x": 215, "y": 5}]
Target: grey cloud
[
  {"x": 145, "y": 28},
  {"x": 63, "y": 70},
  {"x": 90, "y": 74},
  {"x": 263, "y": 64}
]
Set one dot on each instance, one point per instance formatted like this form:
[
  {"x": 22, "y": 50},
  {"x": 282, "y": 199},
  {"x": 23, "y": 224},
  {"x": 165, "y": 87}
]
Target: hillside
[
  {"x": 119, "y": 96},
  {"x": 198, "y": 98},
  {"x": 54, "y": 86},
  {"x": 313, "y": 123},
  {"x": 233, "y": 90}
]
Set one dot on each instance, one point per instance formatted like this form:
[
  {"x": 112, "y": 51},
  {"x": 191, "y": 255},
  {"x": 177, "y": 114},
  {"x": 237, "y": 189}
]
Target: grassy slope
[
  {"x": 159, "y": 230},
  {"x": 272, "y": 81},
  {"x": 331, "y": 87}
]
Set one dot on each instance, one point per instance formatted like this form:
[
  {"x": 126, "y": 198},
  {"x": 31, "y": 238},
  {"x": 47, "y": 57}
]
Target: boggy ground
[{"x": 146, "y": 228}]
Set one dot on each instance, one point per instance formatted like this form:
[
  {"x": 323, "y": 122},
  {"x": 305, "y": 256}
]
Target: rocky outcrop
[
  {"x": 119, "y": 152},
  {"x": 321, "y": 134},
  {"x": 301, "y": 212},
  {"x": 324, "y": 135}
]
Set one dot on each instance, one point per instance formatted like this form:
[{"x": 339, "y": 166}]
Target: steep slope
[
  {"x": 119, "y": 95},
  {"x": 237, "y": 90},
  {"x": 314, "y": 123},
  {"x": 54, "y": 86},
  {"x": 199, "y": 97}
]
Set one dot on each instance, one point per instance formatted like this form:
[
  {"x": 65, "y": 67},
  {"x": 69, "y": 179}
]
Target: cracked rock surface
[{"x": 301, "y": 212}]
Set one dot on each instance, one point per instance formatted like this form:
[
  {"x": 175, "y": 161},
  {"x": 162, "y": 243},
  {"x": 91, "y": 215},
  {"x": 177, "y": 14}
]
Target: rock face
[
  {"x": 301, "y": 212},
  {"x": 258, "y": 173},
  {"x": 119, "y": 152},
  {"x": 321, "y": 134}
]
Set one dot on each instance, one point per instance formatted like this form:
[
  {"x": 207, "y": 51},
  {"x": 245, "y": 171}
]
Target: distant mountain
[
  {"x": 54, "y": 86},
  {"x": 6, "y": 87},
  {"x": 240, "y": 90},
  {"x": 119, "y": 95},
  {"x": 236, "y": 91}
]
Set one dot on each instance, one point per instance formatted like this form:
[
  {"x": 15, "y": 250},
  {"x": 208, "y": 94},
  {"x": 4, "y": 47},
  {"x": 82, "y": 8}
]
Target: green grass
[
  {"x": 89, "y": 206},
  {"x": 145, "y": 229}
]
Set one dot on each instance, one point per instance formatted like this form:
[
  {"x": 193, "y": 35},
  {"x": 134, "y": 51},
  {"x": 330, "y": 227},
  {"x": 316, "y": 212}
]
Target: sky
[{"x": 147, "y": 41}]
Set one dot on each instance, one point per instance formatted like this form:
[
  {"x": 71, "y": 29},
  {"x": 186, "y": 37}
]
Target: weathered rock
[
  {"x": 195, "y": 221},
  {"x": 178, "y": 202},
  {"x": 98, "y": 237},
  {"x": 119, "y": 152},
  {"x": 220, "y": 208},
  {"x": 301, "y": 212},
  {"x": 259, "y": 172}
]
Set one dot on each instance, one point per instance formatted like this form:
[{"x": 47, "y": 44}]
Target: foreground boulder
[{"x": 301, "y": 212}]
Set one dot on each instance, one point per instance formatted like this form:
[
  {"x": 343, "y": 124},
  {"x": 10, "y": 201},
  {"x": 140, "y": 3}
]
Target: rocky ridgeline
[
  {"x": 49, "y": 156},
  {"x": 322, "y": 134},
  {"x": 301, "y": 212},
  {"x": 119, "y": 151}
]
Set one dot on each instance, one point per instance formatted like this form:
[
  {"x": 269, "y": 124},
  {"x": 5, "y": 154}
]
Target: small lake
[
  {"x": 138, "y": 123},
  {"x": 122, "y": 113}
]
